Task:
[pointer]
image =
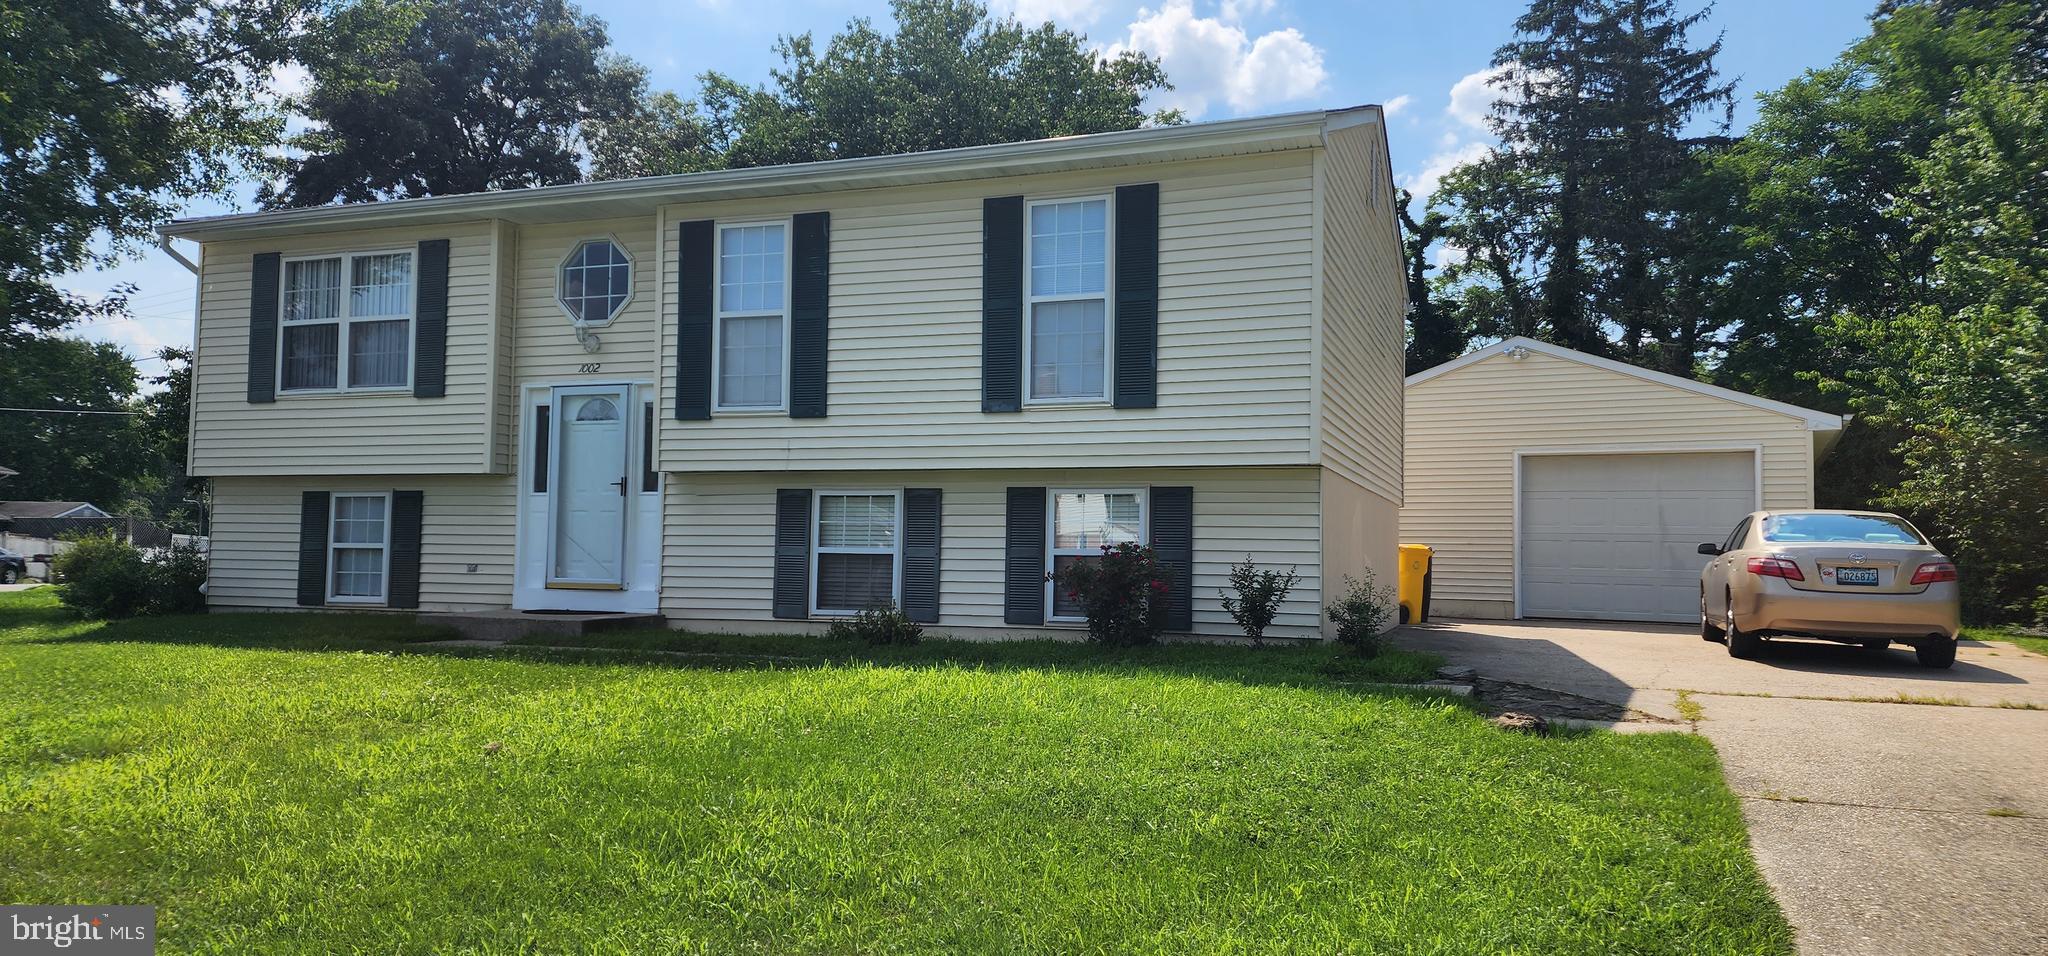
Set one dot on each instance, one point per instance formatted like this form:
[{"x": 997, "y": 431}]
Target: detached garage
[{"x": 1553, "y": 483}]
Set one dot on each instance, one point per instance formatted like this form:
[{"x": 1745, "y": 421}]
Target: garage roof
[{"x": 1815, "y": 420}]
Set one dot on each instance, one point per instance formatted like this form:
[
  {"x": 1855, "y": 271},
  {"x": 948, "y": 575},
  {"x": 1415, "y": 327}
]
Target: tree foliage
[
  {"x": 429, "y": 97},
  {"x": 111, "y": 116},
  {"x": 71, "y": 457},
  {"x": 949, "y": 75}
]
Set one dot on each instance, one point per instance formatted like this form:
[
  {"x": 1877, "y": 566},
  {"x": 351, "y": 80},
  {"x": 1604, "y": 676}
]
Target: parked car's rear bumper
[{"x": 1774, "y": 605}]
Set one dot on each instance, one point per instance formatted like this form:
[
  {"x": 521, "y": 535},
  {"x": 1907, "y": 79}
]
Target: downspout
[{"x": 164, "y": 242}]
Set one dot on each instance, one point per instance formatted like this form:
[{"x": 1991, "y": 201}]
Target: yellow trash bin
[{"x": 1413, "y": 593}]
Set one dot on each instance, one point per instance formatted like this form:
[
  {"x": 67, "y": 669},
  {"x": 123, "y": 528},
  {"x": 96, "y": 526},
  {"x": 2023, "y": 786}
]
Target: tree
[
  {"x": 1436, "y": 333},
  {"x": 1961, "y": 367},
  {"x": 1571, "y": 228},
  {"x": 663, "y": 134},
  {"x": 116, "y": 113},
  {"x": 430, "y": 97},
  {"x": 166, "y": 491},
  {"x": 950, "y": 75},
  {"x": 64, "y": 455}
]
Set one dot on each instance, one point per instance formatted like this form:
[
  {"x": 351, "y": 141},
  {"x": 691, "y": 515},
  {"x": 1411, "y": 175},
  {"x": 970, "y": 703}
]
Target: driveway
[{"x": 1884, "y": 827}]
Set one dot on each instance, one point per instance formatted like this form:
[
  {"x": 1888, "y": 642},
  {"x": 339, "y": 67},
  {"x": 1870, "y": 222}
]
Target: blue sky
[{"x": 1424, "y": 60}]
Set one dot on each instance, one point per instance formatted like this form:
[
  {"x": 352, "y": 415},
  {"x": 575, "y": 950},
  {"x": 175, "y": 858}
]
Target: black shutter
[
  {"x": 313, "y": 549},
  {"x": 1024, "y": 557},
  {"x": 263, "y": 299},
  {"x": 1137, "y": 296},
  {"x": 1173, "y": 542},
  {"x": 540, "y": 448},
  {"x": 693, "y": 320},
  {"x": 921, "y": 554},
  {"x": 650, "y": 480},
  {"x": 1002, "y": 304},
  {"x": 793, "y": 553},
  {"x": 430, "y": 322},
  {"x": 403, "y": 587},
  {"x": 809, "y": 301}
]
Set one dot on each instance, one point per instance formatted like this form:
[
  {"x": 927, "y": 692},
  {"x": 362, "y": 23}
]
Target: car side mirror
[{"x": 1710, "y": 549}]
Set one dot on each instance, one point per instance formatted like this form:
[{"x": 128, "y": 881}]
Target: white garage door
[{"x": 1616, "y": 537}]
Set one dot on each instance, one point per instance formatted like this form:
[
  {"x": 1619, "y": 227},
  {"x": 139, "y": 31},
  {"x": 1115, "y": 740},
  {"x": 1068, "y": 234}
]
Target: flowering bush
[
  {"x": 1258, "y": 597},
  {"x": 1123, "y": 593}
]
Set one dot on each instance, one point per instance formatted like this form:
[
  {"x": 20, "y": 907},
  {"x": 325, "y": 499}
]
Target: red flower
[{"x": 1159, "y": 586}]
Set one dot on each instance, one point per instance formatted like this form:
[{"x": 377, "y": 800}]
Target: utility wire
[{"x": 65, "y": 411}]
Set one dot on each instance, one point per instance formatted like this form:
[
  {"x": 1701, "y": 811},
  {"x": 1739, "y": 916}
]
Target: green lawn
[
  {"x": 2038, "y": 645},
  {"x": 296, "y": 783}
]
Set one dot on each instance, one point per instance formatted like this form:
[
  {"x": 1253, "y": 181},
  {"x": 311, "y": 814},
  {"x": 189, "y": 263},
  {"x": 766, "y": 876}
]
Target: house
[
  {"x": 760, "y": 399},
  {"x": 51, "y": 509},
  {"x": 1553, "y": 483}
]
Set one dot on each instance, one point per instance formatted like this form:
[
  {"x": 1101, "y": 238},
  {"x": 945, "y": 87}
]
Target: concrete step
[{"x": 505, "y": 624}]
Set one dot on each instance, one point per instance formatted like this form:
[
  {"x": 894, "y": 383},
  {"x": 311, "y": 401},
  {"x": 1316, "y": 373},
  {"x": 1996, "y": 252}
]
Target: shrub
[
  {"x": 1123, "y": 593},
  {"x": 878, "y": 625},
  {"x": 1258, "y": 596},
  {"x": 1361, "y": 615},
  {"x": 175, "y": 580},
  {"x": 102, "y": 576}
]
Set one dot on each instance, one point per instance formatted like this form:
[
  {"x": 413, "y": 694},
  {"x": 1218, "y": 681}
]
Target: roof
[
  {"x": 6, "y": 472},
  {"x": 45, "y": 509},
  {"x": 629, "y": 197},
  {"x": 1816, "y": 420}
]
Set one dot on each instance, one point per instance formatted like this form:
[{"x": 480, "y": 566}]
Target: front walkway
[{"x": 1883, "y": 827}]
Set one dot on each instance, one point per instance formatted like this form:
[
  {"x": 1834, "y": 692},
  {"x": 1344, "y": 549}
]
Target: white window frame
[
  {"x": 562, "y": 280},
  {"x": 1108, "y": 297},
  {"x": 1052, "y": 527},
  {"x": 384, "y": 548},
  {"x": 341, "y": 322},
  {"x": 896, "y": 570},
  {"x": 719, "y": 315}
]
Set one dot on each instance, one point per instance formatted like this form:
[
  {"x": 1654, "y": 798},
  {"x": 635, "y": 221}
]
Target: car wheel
[
  {"x": 1936, "y": 653},
  {"x": 1741, "y": 643},
  {"x": 9, "y": 576},
  {"x": 1708, "y": 632}
]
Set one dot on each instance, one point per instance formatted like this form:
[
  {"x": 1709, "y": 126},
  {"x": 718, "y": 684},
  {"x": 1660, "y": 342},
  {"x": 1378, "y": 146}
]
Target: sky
[{"x": 1425, "y": 62}]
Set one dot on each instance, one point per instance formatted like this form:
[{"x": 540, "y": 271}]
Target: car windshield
[{"x": 1860, "y": 529}]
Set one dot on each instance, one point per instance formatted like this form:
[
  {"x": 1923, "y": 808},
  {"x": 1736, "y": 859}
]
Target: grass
[
  {"x": 1689, "y": 709},
  {"x": 306, "y": 784},
  {"x": 2029, "y": 642}
]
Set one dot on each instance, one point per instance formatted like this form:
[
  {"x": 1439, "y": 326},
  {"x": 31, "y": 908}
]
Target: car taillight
[
  {"x": 1776, "y": 567},
  {"x": 1933, "y": 572}
]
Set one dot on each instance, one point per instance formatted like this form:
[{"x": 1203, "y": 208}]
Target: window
[
  {"x": 1082, "y": 522},
  {"x": 596, "y": 281},
  {"x": 1067, "y": 340},
  {"x": 855, "y": 552},
  {"x": 364, "y": 300},
  {"x": 752, "y": 316},
  {"x": 1840, "y": 529},
  {"x": 357, "y": 545},
  {"x": 1735, "y": 537}
]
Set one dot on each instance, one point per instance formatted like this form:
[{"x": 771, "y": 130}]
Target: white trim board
[
  {"x": 1815, "y": 420},
  {"x": 1756, "y": 454}
]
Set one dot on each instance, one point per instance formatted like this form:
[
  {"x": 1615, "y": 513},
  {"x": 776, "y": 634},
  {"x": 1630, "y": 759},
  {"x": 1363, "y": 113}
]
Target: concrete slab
[
  {"x": 1882, "y": 827},
  {"x": 505, "y": 625}
]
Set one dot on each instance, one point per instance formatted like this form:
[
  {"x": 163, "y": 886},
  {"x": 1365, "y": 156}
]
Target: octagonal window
[{"x": 596, "y": 281}]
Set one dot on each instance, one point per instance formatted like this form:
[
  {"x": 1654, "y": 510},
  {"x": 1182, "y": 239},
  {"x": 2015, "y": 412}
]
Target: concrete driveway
[{"x": 1883, "y": 827}]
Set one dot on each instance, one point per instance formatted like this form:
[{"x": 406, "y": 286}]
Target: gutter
[{"x": 1126, "y": 147}]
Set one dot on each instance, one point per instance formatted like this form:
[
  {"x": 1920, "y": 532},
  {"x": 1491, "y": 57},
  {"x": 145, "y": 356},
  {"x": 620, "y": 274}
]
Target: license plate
[{"x": 1863, "y": 576}]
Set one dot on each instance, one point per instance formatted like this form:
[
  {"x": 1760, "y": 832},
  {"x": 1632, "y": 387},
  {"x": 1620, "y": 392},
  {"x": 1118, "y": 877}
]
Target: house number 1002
[{"x": 590, "y": 367}]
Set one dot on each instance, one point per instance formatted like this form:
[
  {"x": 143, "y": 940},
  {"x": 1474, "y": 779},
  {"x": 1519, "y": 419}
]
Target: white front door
[{"x": 592, "y": 480}]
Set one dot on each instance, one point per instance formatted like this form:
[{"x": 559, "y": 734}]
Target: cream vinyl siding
[
  {"x": 1236, "y": 337},
  {"x": 1365, "y": 305},
  {"x": 465, "y": 520},
  {"x": 1361, "y": 532},
  {"x": 1465, "y": 425},
  {"x": 546, "y": 340},
  {"x": 720, "y": 545},
  {"x": 343, "y": 433}
]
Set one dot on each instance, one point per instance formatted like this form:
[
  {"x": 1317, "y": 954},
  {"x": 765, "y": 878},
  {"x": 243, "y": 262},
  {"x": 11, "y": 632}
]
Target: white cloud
[
  {"x": 1065, "y": 12},
  {"x": 1396, "y": 105},
  {"x": 1211, "y": 60},
  {"x": 1423, "y": 182},
  {"x": 290, "y": 79},
  {"x": 1237, "y": 10},
  {"x": 1473, "y": 97},
  {"x": 1444, "y": 256}
]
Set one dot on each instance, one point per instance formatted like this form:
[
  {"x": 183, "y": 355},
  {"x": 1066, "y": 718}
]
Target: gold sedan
[{"x": 1858, "y": 577}]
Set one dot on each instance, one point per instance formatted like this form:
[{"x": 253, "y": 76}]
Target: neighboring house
[
  {"x": 50, "y": 509},
  {"x": 1553, "y": 483},
  {"x": 759, "y": 399}
]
